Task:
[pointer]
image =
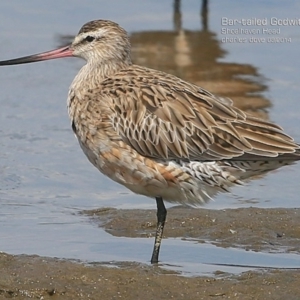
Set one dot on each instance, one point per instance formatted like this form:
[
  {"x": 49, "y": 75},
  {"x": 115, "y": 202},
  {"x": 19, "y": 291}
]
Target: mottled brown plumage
[{"x": 156, "y": 134}]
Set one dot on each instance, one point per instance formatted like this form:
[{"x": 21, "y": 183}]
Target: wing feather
[{"x": 163, "y": 117}]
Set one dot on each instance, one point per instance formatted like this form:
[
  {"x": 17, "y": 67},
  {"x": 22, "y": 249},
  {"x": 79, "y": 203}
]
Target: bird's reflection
[{"x": 195, "y": 57}]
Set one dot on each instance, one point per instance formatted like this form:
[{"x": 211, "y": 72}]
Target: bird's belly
[
  {"x": 139, "y": 174},
  {"x": 191, "y": 183},
  {"x": 177, "y": 183}
]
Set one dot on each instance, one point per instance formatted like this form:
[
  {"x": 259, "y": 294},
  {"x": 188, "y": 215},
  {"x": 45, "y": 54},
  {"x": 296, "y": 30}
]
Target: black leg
[{"x": 161, "y": 218}]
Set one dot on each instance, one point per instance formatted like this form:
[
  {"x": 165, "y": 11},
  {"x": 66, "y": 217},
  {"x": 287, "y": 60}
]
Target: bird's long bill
[{"x": 57, "y": 53}]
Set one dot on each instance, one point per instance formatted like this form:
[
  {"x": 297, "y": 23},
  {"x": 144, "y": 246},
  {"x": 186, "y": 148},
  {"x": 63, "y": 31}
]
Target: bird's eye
[{"x": 89, "y": 38}]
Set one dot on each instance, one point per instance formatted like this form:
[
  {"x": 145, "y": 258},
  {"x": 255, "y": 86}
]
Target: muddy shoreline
[
  {"x": 257, "y": 229},
  {"x": 273, "y": 230}
]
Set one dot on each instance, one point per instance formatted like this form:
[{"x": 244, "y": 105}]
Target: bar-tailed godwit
[{"x": 156, "y": 134}]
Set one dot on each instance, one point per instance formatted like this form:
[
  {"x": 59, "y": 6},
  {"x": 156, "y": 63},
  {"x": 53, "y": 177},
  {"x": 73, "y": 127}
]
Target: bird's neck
[{"x": 90, "y": 75}]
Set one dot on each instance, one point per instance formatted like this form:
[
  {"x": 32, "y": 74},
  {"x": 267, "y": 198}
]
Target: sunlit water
[{"x": 45, "y": 180}]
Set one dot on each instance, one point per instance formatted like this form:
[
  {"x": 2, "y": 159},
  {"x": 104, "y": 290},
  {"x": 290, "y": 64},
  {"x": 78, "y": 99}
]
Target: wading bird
[{"x": 156, "y": 134}]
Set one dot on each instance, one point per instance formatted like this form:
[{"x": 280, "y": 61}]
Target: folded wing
[{"x": 163, "y": 117}]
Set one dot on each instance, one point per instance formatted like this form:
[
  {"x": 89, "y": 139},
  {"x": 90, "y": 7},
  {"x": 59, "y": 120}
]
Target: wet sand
[{"x": 269, "y": 230}]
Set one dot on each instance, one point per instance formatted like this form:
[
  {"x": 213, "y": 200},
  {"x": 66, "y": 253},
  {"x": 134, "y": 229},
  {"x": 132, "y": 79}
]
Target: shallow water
[{"x": 45, "y": 180}]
